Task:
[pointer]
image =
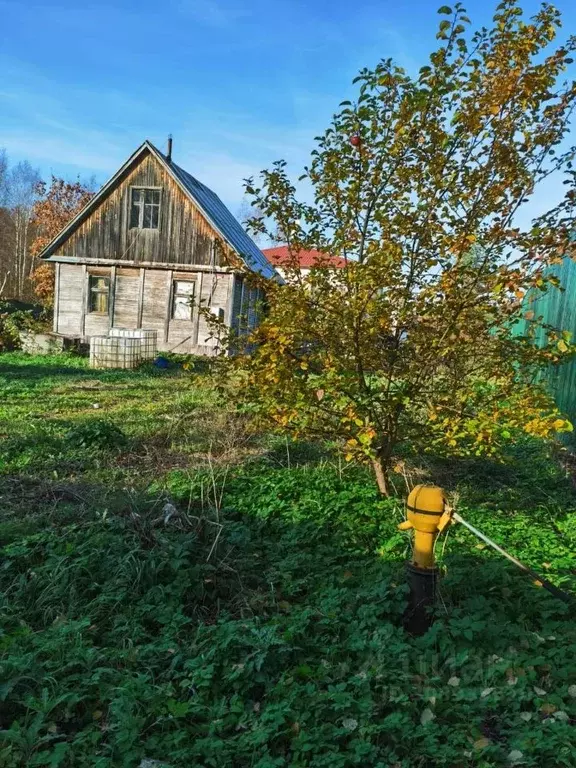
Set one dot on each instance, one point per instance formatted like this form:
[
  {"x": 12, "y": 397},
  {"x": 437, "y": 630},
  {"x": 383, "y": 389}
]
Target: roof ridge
[{"x": 210, "y": 205}]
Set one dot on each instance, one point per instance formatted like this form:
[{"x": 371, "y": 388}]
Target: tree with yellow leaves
[{"x": 420, "y": 183}]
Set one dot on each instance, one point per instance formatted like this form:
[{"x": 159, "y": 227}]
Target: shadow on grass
[
  {"x": 33, "y": 372},
  {"x": 529, "y": 476},
  {"x": 274, "y": 612},
  {"x": 33, "y": 375},
  {"x": 293, "y": 553}
]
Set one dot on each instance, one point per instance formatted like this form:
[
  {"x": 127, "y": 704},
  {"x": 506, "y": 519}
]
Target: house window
[
  {"x": 144, "y": 208},
  {"x": 98, "y": 294},
  {"x": 182, "y": 299}
]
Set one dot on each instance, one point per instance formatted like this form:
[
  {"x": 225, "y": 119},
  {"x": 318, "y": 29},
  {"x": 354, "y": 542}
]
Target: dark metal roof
[
  {"x": 207, "y": 201},
  {"x": 221, "y": 218}
]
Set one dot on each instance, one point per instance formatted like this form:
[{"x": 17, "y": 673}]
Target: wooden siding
[
  {"x": 184, "y": 236},
  {"x": 126, "y": 297},
  {"x": 216, "y": 292},
  {"x": 156, "y": 294},
  {"x": 142, "y": 299},
  {"x": 70, "y": 310},
  {"x": 245, "y": 306}
]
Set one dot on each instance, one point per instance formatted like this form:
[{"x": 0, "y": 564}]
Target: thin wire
[{"x": 552, "y": 588}]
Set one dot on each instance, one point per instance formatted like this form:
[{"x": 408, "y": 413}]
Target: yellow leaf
[
  {"x": 562, "y": 346},
  {"x": 481, "y": 743}
]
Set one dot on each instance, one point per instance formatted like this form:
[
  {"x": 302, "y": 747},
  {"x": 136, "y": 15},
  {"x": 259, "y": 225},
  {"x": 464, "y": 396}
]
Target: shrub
[{"x": 97, "y": 434}]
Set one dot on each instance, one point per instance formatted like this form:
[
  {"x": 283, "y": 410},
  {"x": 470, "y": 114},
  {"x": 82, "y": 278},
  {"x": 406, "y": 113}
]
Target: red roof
[{"x": 280, "y": 256}]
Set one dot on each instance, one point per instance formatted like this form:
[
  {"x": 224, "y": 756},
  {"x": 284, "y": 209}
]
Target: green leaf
[{"x": 445, "y": 9}]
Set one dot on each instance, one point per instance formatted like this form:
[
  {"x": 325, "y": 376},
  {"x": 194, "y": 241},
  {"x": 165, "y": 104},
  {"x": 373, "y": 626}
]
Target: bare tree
[
  {"x": 3, "y": 174},
  {"x": 248, "y": 213},
  {"x": 20, "y": 192},
  {"x": 5, "y": 223}
]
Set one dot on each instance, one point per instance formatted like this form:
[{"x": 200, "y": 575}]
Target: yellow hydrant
[{"x": 427, "y": 513}]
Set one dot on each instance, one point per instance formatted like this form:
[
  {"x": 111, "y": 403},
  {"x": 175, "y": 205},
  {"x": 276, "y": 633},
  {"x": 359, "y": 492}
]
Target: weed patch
[{"x": 249, "y": 613}]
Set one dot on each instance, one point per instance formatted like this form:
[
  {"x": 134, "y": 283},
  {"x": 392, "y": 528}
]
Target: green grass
[{"x": 260, "y": 625}]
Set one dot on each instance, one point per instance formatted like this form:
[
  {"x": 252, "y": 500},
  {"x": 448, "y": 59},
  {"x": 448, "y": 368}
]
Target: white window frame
[{"x": 175, "y": 294}]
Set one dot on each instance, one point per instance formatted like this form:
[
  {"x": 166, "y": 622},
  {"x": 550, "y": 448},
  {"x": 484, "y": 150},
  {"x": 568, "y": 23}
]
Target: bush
[
  {"x": 13, "y": 321},
  {"x": 96, "y": 434}
]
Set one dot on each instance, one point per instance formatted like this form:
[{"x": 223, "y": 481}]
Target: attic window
[{"x": 145, "y": 208}]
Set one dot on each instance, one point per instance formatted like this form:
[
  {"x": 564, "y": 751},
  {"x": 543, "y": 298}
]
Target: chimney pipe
[{"x": 169, "y": 152}]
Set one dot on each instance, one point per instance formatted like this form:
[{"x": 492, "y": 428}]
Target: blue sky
[{"x": 238, "y": 84}]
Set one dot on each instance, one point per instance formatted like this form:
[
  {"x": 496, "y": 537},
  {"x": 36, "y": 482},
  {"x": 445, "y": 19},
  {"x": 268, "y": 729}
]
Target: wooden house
[
  {"x": 151, "y": 248},
  {"x": 285, "y": 261}
]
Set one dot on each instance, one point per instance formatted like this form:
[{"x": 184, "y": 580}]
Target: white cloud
[{"x": 60, "y": 150}]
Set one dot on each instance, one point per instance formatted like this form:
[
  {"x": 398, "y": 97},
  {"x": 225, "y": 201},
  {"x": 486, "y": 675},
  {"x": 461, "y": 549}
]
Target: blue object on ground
[{"x": 161, "y": 362}]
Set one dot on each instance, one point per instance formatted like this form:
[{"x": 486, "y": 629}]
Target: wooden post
[
  {"x": 56, "y": 296},
  {"x": 197, "y": 304},
  {"x": 84, "y": 300},
  {"x": 111, "y": 297},
  {"x": 168, "y": 306},
  {"x": 140, "y": 299}
]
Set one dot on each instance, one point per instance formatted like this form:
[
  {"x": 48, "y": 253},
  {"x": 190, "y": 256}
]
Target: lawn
[{"x": 174, "y": 587}]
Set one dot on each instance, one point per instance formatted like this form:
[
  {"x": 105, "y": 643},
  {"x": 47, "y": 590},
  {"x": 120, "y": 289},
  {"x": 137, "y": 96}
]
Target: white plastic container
[
  {"x": 148, "y": 339},
  {"x": 115, "y": 352}
]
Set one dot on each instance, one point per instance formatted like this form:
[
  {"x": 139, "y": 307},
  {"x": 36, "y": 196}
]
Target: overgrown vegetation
[
  {"x": 16, "y": 317},
  {"x": 421, "y": 184},
  {"x": 175, "y": 588}
]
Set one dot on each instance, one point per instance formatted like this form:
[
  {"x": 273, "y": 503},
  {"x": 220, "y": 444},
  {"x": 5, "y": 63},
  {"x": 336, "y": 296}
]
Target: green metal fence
[{"x": 558, "y": 308}]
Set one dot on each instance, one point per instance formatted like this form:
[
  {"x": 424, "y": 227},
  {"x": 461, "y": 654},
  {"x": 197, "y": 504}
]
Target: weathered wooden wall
[
  {"x": 183, "y": 237},
  {"x": 68, "y": 314},
  {"x": 245, "y": 307},
  {"x": 141, "y": 298}
]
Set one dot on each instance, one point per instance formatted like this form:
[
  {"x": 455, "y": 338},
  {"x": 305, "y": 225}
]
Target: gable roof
[
  {"x": 280, "y": 256},
  {"x": 207, "y": 201}
]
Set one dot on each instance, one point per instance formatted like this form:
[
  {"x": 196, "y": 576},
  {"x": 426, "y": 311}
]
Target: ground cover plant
[{"x": 174, "y": 589}]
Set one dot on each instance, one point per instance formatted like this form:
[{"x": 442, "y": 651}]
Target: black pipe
[{"x": 419, "y": 616}]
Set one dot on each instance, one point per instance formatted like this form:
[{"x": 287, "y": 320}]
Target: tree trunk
[{"x": 380, "y": 467}]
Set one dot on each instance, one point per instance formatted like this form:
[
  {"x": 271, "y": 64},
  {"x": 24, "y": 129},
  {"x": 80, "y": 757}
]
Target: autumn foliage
[
  {"x": 56, "y": 206},
  {"x": 413, "y": 344}
]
